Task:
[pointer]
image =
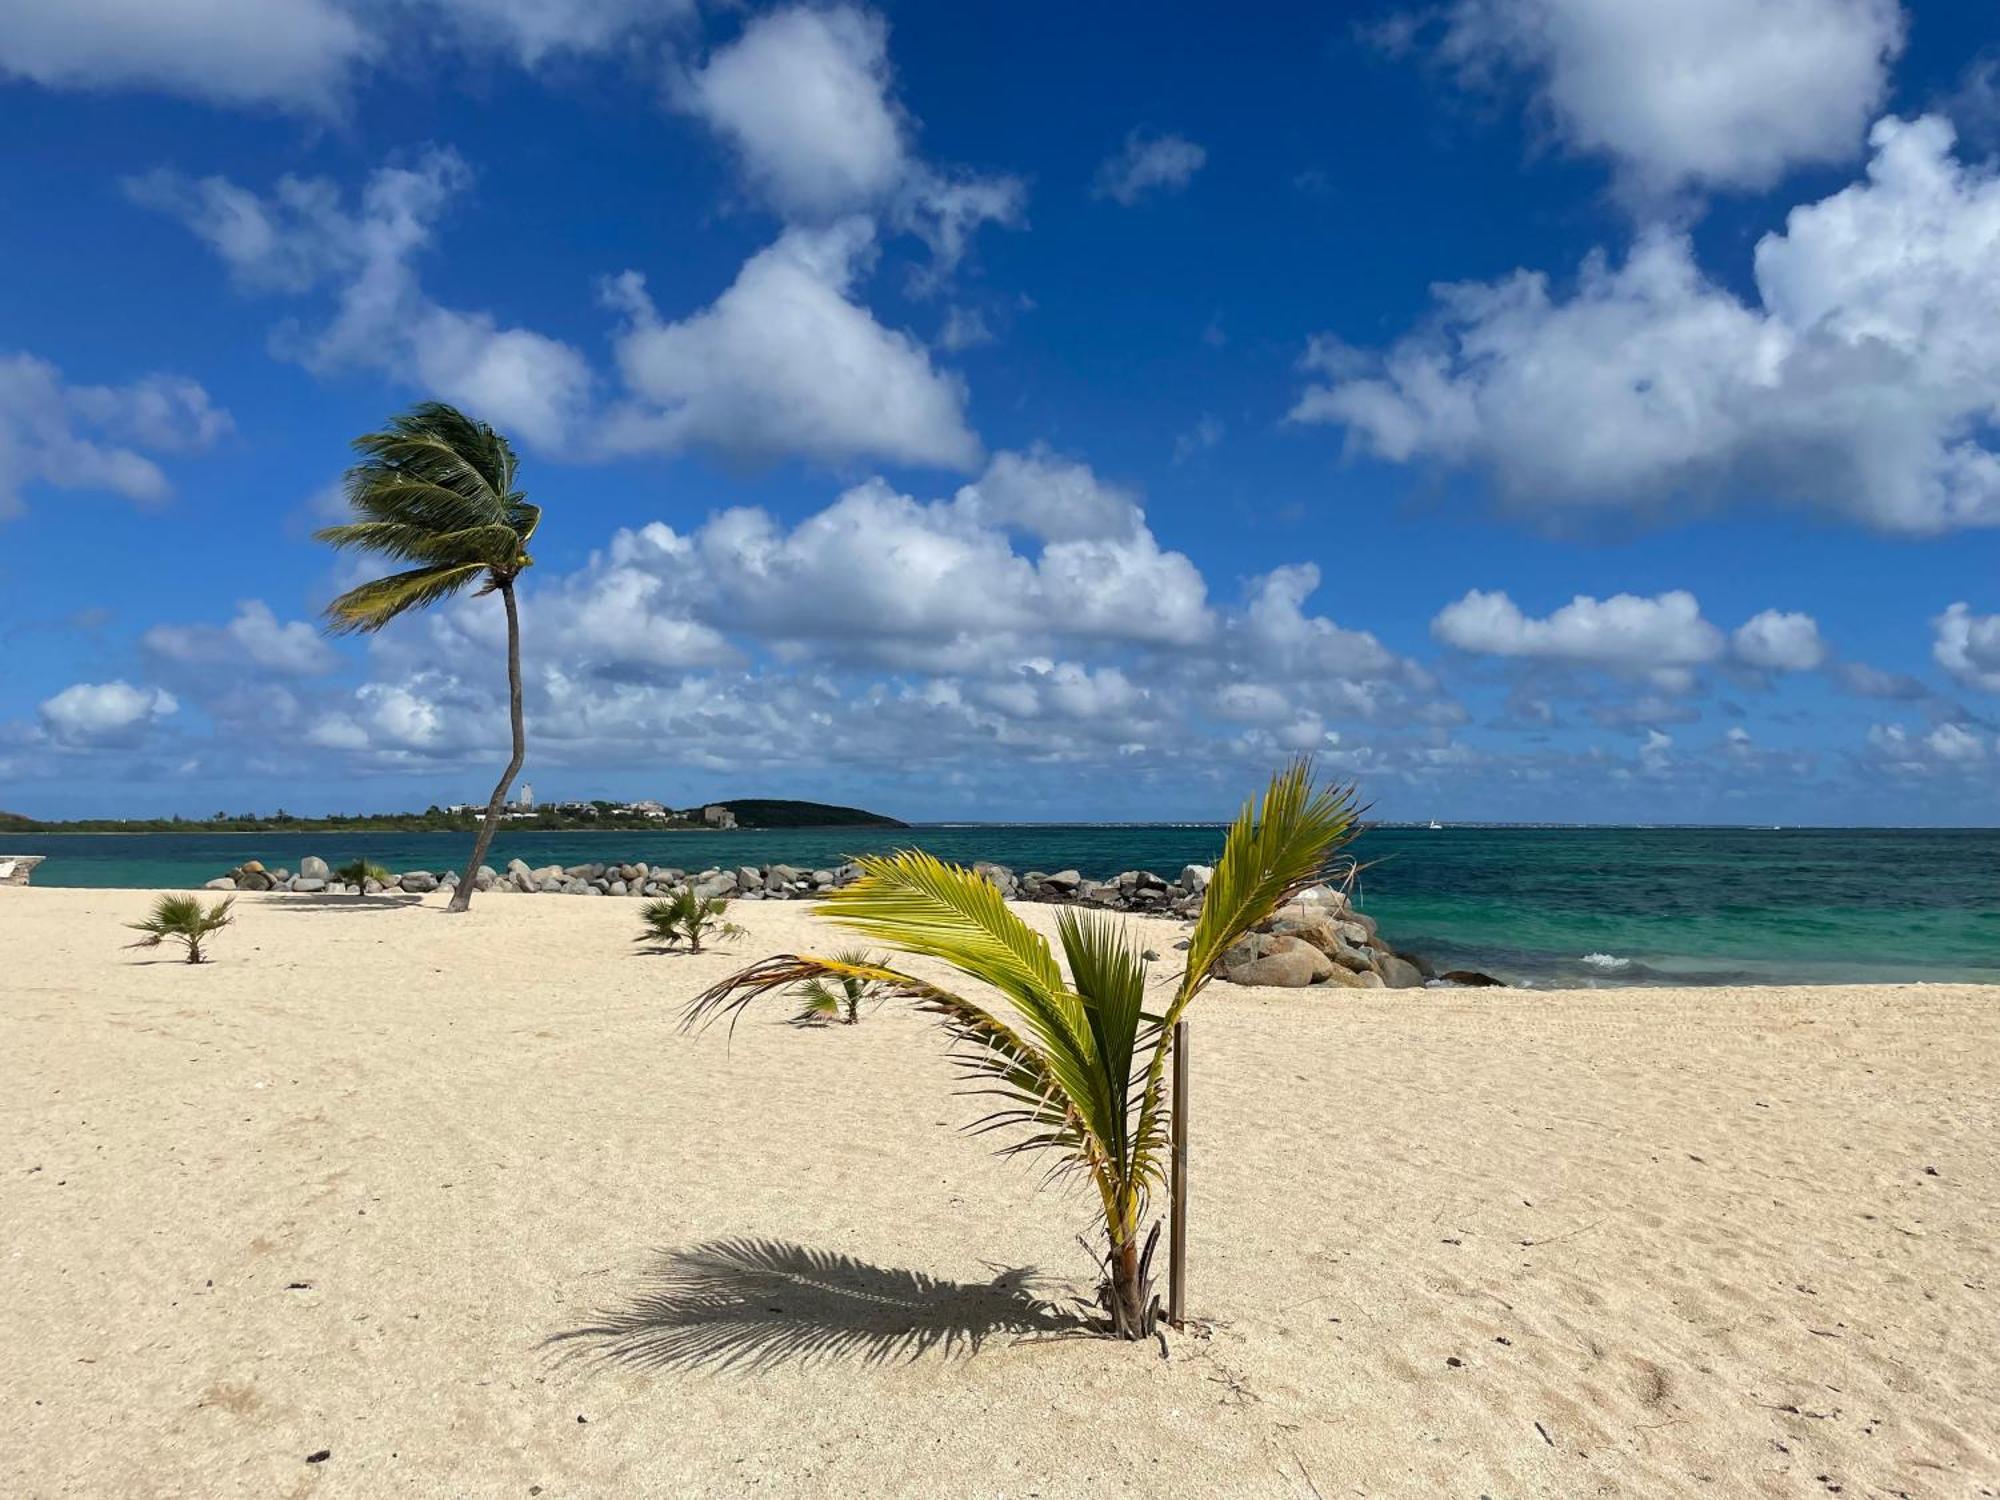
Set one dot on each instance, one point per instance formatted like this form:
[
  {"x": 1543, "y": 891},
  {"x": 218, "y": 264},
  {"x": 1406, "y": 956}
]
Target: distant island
[{"x": 597, "y": 815}]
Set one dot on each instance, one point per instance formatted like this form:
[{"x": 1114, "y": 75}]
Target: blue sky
[{"x": 1540, "y": 409}]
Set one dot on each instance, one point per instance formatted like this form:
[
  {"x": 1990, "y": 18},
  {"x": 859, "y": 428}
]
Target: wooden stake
[{"x": 1177, "y": 1184}]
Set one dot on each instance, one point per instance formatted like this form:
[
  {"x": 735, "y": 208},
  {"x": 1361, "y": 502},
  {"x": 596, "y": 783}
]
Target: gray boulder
[
  {"x": 220, "y": 883},
  {"x": 1352, "y": 979},
  {"x": 371, "y": 887},
  {"x": 418, "y": 882},
  {"x": 1196, "y": 877},
  {"x": 307, "y": 884},
  {"x": 1325, "y": 934},
  {"x": 314, "y": 868},
  {"x": 1399, "y": 973},
  {"x": 1276, "y": 960}
]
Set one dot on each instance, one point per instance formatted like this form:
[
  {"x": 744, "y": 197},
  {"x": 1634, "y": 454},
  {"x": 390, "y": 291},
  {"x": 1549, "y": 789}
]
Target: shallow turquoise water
[{"x": 1688, "y": 905}]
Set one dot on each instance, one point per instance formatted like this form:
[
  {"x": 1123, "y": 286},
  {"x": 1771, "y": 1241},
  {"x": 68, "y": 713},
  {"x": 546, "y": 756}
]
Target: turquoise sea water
[{"x": 1542, "y": 906}]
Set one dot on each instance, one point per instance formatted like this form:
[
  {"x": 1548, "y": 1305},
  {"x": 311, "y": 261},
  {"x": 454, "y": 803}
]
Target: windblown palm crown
[
  {"x": 435, "y": 489},
  {"x": 1078, "y": 1064}
]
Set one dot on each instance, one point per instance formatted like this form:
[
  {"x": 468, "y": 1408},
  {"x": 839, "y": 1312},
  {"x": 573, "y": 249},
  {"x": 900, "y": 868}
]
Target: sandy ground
[{"x": 430, "y": 1195}]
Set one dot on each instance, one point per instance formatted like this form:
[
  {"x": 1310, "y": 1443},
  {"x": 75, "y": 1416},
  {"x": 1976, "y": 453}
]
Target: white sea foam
[{"x": 1609, "y": 962}]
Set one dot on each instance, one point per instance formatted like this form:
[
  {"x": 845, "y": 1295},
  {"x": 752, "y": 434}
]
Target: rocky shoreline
[{"x": 1321, "y": 939}]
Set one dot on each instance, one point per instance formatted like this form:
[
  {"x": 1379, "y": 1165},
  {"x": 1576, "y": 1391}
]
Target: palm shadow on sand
[
  {"x": 316, "y": 901},
  {"x": 753, "y": 1304}
]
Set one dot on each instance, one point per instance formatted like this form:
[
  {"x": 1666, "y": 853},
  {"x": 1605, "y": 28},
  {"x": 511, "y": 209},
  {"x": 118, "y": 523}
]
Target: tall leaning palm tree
[
  {"x": 1078, "y": 1063},
  {"x": 436, "y": 489}
]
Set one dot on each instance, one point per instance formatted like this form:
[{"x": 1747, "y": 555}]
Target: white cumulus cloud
[
  {"x": 1700, "y": 93},
  {"x": 304, "y": 235},
  {"x": 1945, "y": 749},
  {"x": 299, "y": 57},
  {"x": 1626, "y": 632},
  {"x": 104, "y": 713},
  {"x": 1864, "y": 380},
  {"x": 255, "y": 639},
  {"x": 1968, "y": 647},
  {"x": 1777, "y": 641},
  {"x": 90, "y": 437},
  {"x": 805, "y": 99},
  {"x": 785, "y": 361}
]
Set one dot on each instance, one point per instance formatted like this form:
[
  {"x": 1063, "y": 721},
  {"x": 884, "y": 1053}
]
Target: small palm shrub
[
  {"x": 184, "y": 920},
  {"x": 835, "y": 998},
  {"x": 687, "y": 918},
  {"x": 360, "y": 871},
  {"x": 1076, "y": 1062}
]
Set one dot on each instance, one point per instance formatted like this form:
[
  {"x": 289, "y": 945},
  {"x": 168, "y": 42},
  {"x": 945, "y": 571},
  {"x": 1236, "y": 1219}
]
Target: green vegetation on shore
[{"x": 570, "y": 817}]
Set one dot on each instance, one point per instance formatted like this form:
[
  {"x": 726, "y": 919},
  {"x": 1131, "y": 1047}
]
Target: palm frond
[
  {"x": 1105, "y": 965},
  {"x": 396, "y": 499},
  {"x": 493, "y": 546},
  {"x": 997, "y": 1059},
  {"x": 1277, "y": 847},
  {"x": 372, "y": 605},
  {"x": 915, "y": 902},
  {"x": 440, "y": 444}
]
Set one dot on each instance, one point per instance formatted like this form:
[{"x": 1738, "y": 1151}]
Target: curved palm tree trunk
[{"x": 462, "y": 897}]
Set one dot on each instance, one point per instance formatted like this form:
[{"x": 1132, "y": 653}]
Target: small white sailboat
[{"x": 1436, "y": 826}]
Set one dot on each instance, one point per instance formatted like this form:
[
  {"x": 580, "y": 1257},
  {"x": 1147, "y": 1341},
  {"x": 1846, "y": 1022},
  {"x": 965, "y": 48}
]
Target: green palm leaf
[
  {"x": 922, "y": 905},
  {"x": 1276, "y": 848},
  {"x": 374, "y": 604}
]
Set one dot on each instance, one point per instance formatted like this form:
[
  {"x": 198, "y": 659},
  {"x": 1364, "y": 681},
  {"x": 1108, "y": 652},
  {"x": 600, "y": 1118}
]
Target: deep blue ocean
[{"x": 1541, "y": 906}]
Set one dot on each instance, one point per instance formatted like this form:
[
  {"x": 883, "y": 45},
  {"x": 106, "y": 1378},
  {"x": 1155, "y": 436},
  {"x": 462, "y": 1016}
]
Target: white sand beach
[{"x": 412, "y": 1191}]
